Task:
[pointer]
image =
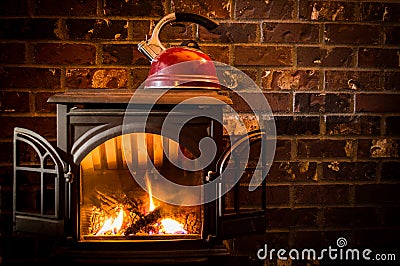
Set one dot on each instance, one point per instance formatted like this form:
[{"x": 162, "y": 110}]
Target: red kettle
[{"x": 183, "y": 67}]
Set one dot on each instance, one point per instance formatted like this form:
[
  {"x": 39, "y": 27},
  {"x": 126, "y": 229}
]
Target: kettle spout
[{"x": 150, "y": 50}]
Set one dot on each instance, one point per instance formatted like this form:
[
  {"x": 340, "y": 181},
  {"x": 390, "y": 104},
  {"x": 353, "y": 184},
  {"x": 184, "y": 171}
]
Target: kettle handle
[
  {"x": 202, "y": 21},
  {"x": 153, "y": 47}
]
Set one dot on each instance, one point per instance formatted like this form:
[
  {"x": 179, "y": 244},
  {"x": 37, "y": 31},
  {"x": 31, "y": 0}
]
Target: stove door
[
  {"x": 242, "y": 210},
  {"x": 38, "y": 185}
]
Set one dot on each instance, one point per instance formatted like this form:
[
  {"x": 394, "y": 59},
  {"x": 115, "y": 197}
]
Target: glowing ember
[
  {"x": 112, "y": 225},
  {"x": 136, "y": 217},
  {"x": 171, "y": 226}
]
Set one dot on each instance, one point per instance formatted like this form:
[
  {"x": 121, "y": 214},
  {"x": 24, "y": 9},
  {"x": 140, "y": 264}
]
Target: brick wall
[{"x": 329, "y": 69}]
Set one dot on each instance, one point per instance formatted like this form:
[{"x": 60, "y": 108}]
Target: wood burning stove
[{"x": 82, "y": 192}]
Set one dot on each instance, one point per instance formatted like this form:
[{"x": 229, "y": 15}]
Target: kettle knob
[{"x": 153, "y": 47}]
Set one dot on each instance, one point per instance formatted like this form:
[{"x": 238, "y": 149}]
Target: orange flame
[
  {"x": 152, "y": 206},
  {"x": 168, "y": 225},
  {"x": 171, "y": 226},
  {"x": 113, "y": 225}
]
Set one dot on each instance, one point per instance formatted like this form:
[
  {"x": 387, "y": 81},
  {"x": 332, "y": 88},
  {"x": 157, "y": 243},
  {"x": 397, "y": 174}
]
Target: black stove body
[{"x": 72, "y": 189}]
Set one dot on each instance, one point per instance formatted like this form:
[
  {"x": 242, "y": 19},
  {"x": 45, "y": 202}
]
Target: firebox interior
[{"x": 113, "y": 206}]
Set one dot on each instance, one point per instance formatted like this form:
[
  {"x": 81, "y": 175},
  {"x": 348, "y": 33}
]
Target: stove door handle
[{"x": 69, "y": 177}]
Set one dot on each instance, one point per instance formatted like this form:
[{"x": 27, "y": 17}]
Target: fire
[
  {"x": 167, "y": 225},
  {"x": 171, "y": 226},
  {"x": 148, "y": 220},
  {"x": 152, "y": 206},
  {"x": 112, "y": 225}
]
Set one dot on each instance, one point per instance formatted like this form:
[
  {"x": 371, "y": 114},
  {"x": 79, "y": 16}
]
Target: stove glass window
[{"x": 114, "y": 207}]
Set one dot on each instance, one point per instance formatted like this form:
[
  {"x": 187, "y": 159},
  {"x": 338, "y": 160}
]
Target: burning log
[
  {"x": 144, "y": 223},
  {"x": 107, "y": 203},
  {"x": 117, "y": 213}
]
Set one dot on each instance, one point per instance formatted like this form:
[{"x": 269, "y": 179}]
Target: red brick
[
  {"x": 139, "y": 75},
  {"x": 388, "y": 12},
  {"x": 250, "y": 200},
  {"x": 380, "y": 58},
  {"x": 12, "y": 53},
  {"x": 393, "y": 125},
  {"x": 217, "y": 53},
  {"x": 26, "y": 77},
  {"x": 97, "y": 29},
  {"x": 351, "y": 34},
  {"x": 230, "y": 33},
  {"x": 263, "y": 55},
  {"x": 291, "y": 79},
  {"x": 290, "y": 33},
  {"x": 56, "y": 53},
  {"x": 46, "y": 126},
  {"x": 133, "y": 8},
  {"x": 332, "y": 57},
  {"x": 351, "y": 125},
  {"x": 41, "y": 104},
  {"x": 138, "y": 59},
  {"x": 251, "y": 73},
  {"x": 65, "y": 8},
  {"x": 318, "y": 239},
  {"x": 297, "y": 125},
  {"x": 287, "y": 217},
  {"x": 282, "y": 150},
  {"x": 140, "y": 29},
  {"x": 377, "y": 102},
  {"x": 392, "y": 35},
  {"x": 350, "y": 216},
  {"x": 391, "y": 80},
  {"x": 323, "y": 103},
  {"x": 278, "y": 102},
  {"x": 211, "y": 9},
  {"x": 11, "y": 102},
  {"x": 353, "y": 80},
  {"x": 292, "y": 171},
  {"x": 322, "y": 148},
  {"x": 277, "y": 239},
  {"x": 321, "y": 194},
  {"x": 28, "y": 29},
  {"x": 277, "y": 195},
  {"x": 342, "y": 171},
  {"x": 83, "y": 78},
  {"x": 118, "y": 54},
  {"x": 378, "y": 148},
  {"x": 176, "y": 32},
  {"x": 264, "y": 10},
  {"x": 327, "y": 11},
  {"x": 377, "y": 194},
  {"x": 14, "y": 8}
]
